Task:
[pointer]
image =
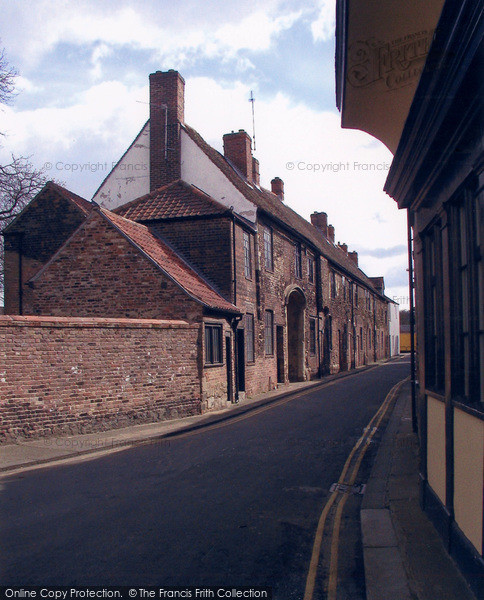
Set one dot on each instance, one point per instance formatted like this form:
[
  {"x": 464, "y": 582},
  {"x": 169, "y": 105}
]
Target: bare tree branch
[
  {"x": 7, "y": 79},
  {"x": 19, "y": 180}
]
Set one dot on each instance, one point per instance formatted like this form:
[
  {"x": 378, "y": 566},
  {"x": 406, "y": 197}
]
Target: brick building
[{"x": 179, "y": 231}]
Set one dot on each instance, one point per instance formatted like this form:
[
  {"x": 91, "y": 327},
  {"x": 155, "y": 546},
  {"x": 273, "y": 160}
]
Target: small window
[
  {"x": 247, "y": 256},
  {"x": 213, "y": 344},
  {"x": 297, "y": 261},
  {"x": 249, "y": 337},
  {"x": 333, "y": 284},
  {"x": 268, "y": 251},
  {"x": 269, "y": 332},
  {"x": 312, "y": 336},
  {"x": 310, "y": 269}
]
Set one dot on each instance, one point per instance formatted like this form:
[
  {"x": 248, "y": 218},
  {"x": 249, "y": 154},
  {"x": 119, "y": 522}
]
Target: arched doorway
[{"x": 295, "y": 305}]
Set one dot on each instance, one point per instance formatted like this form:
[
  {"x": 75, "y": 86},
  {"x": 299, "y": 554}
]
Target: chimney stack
[
  {"x": 277, "y": 187},
  {"x": 343, "y": 247},
  {"x": 238, "y": 150},
  {"x": 331, "y": 233},
  {"x": 167, "y": 108},
  {"x": 320, "y": 221},
  {"x": 354, "y": 257},
  {"x": 378, "y": 284},
  {"x": 255, "y": 172}
]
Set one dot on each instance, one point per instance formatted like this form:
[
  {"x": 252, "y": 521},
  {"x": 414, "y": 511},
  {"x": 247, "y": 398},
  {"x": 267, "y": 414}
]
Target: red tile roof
[
  {"x": 169, "y": 262},
  {"x": 173, "y": 201},
  {"x": 271, "y": 205}
]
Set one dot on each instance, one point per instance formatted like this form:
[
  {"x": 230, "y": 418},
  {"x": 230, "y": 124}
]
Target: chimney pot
[{"x": 277, "y": 187}]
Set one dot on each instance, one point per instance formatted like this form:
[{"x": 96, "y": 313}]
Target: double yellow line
[{"x": 361, "y": 445}]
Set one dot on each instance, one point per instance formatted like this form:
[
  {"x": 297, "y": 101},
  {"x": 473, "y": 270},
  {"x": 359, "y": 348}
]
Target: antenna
[{"x": 252, "y": 101}]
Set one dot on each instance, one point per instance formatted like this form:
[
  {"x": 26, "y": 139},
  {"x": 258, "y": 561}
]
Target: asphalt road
[{"x": 234, "y": 505}]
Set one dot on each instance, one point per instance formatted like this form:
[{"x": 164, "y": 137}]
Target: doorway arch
[{"x": 295, "y": 307}]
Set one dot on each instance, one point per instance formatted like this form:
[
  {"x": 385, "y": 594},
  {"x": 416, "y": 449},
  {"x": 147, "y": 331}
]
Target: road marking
[{"x": 363, "y": 442}]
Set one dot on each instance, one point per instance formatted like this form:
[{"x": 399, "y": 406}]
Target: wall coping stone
[{"x": 92, "y": 322}]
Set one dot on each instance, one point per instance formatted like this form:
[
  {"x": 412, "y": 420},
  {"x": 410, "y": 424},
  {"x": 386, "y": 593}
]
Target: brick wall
[
  {"x": 71, "y": 375},
  {"x": 100, "y": 274},
  {"x": 206, "y": 244},
  {"x": 40, "y": 231}
]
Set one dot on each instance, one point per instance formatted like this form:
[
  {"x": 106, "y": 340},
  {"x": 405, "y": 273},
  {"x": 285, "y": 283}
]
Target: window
[
  {"x": 213, "y": 344},
  {"x": 268, "y": 252},
  {"x": 297, "y": 261},
  {"x": 356, "y": 295},
  {"x": 433, "y": 308},
  {"x": 343, "y": 283},
  {"x": 269, "y": 332},
  {"x": 333, "y": 284},
  {"x": 361, "y": 338},
  {"x": 247, "y": 256},
  {"x": 466, "y": 335},
  {"x": 312, "y": 336},
  {"x": 249, "y": 337},
  {"x": 310, "y": 269}
]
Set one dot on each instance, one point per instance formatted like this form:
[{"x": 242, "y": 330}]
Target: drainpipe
[
  {"x": 20, "y": 273},
  {"x": 374, "y": 329},
  {"x": 234, "y": 324},
  {"x": 234, "y": 280},
  {"x": 319, "y": 307},
  {"x": 412, "y": 321},
  {"x": 353, "y": 323}
]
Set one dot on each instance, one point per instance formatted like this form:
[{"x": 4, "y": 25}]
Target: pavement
[{"x": 404, "y": 557}]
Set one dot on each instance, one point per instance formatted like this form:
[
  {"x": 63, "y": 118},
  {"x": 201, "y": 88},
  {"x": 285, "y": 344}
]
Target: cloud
[
  {"x": 324, "y": 26},
  {"x": 384, "y": 252},
  {"x": 324, "y": 167},
  {"x": 174, "y": 33}
]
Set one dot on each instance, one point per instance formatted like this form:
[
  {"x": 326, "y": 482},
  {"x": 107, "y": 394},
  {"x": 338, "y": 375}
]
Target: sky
[{"x": 83, "y": 96}]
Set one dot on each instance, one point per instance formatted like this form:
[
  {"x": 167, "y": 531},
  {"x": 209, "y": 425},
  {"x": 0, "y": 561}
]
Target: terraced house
[{"x": 178, "y": 231}]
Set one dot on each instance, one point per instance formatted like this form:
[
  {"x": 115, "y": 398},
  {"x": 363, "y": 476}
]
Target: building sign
[
  {"x": 394, "y": 64},
  {"x": 383, "y": 52}
]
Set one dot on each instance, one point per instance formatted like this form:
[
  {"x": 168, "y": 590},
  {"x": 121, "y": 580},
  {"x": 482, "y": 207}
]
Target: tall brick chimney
[
  {"x": 343, "y": 247},
  {"x": 238, "y": 149},
  {"x": 167, "y": 112},
  {"x": 277, "y": 187},
  {"x": 331, "y": 233},
  {"x": 320, "y": 221},
  {"x": 354, "y": 257}
]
